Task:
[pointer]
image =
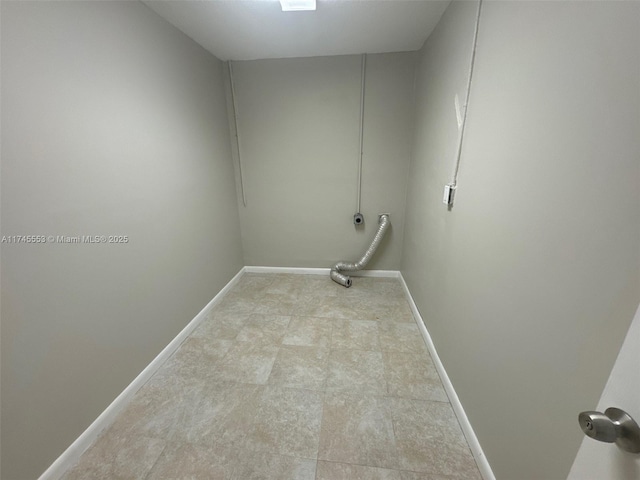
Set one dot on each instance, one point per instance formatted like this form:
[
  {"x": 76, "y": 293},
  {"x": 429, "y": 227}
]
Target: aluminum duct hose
[{"x": 339, "y": 267}]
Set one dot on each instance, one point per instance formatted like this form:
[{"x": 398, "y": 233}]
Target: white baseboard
[
  {"x": 376, "y": 273},
  {"x": 465, "y": 425},
  {"x": 72, "y": 454},
  {"x": 290, "y": 270},
  {"x": 321, "y": 271}
]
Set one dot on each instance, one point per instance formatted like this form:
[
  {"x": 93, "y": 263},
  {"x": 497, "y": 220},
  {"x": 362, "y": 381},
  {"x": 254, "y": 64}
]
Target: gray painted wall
[
  {"x": 529, "y": 284},
  {"x": 113, "y": 122},
  {"x": 299, "y": 123}
]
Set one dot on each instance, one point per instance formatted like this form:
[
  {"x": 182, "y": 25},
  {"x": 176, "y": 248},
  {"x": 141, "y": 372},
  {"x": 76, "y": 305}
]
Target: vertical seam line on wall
[
  {"x": 362, "y": 82},
  {"x": 466, "y": 101},
  {"x": 235, "y": 125}
]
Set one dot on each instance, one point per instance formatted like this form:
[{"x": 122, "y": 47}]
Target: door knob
[{"x": 612, "y": 426}]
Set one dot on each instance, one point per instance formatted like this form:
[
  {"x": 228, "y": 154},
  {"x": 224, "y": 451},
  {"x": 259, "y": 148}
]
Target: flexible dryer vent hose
[{"x": 339, "y": 267}]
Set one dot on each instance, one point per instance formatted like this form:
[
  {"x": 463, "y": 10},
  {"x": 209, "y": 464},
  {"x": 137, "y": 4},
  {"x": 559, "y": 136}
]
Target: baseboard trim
[
  {"x": 288, "y": 270},
  {"x": 320, "y": 271},
  {"x": 465, "y": 425},
  {"x": 72, "y": 454},
  {"x": 376, "y": 273}
]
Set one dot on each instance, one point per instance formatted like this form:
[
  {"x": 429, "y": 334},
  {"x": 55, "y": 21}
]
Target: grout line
[{"x": 148, "y": 475}]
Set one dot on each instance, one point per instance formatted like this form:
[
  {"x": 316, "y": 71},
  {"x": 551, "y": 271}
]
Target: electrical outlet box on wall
[{"x": 447, "y": 197}]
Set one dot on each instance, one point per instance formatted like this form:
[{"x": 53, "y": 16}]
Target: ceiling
[{"x": 256, "y": 29}]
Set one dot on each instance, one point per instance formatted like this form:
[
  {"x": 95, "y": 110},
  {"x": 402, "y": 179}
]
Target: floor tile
[
  {"x": 440, "y": 459},
  {"x": 394, "y": 311},
  {"x": 357, "y": 429},
  {"x": 199, "y": 349},
  {"x": 223, "y": 415},
  {"x": 287, "y": 422},
  {"x": 192, "y": 462},
  {"x": 404, "y": 475},
  {"x": 390, "y": 287},
  {"x": 300, "y": 367},
  {"x": 356, "y": 370},
  {"x": 429, "y": 439},
  {"x": 158, "y": 407},
  {"x": 253, "y": 283},
  {"x": 247, "y": 362},
  {"x": 308, "y": 332},
  {"x": 320, "y": 286},
  {"x": 197, "y": 357},
  {"x": 288, "y": 285},
  {"x": 273, "y": 304},
  {"x": 412, "y": 376},
  {"x": 355, "y": 335},
  {"x": 327, "y": 307},
  {"x": 401, "y": 337},
  {"x": 262, "y": 329},
  {"x": 265, "y": 466},
  {"x": 383, "y": 309},
  {"x": 117, "y": 457},
  {"x": 344, "y": 471},
  {"x": 364, "y": 307},
  {"x": 244, "y": 295},
  {"x": 362, "y": 289},
  {"x": 235, "y": 304},
  {"x": 221, "y": 326}
]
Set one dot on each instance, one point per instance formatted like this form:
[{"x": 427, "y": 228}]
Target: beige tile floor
[{"x": 291, "y": 377}]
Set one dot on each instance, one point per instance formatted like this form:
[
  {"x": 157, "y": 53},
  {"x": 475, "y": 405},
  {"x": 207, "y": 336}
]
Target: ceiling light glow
[{"x": 297, "y": 5}]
